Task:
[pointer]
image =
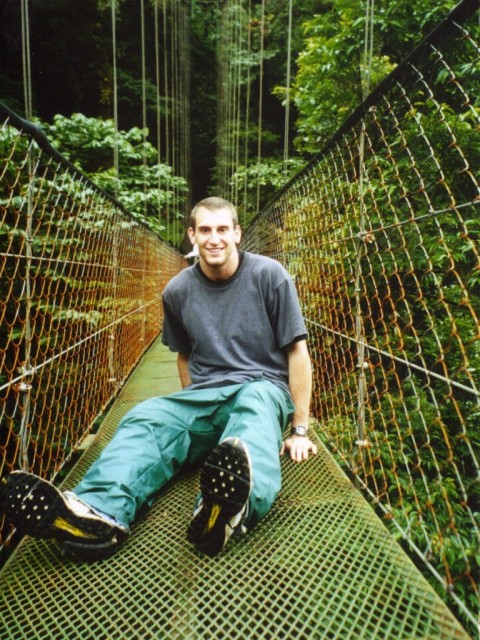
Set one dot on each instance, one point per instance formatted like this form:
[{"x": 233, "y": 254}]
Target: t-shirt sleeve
[
  {"x": 174, "y": 335},
  {"x": 287, "y": 319}
]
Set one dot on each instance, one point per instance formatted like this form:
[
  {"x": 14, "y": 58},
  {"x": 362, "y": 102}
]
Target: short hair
[{"x": 213, "y": 204}]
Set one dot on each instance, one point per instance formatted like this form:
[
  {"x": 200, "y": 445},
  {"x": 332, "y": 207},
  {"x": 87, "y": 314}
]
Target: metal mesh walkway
[{"x": 321, "y": 565}]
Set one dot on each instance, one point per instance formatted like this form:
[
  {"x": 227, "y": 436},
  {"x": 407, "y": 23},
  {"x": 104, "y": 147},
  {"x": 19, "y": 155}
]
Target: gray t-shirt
[{"x": 235, "y": 330}]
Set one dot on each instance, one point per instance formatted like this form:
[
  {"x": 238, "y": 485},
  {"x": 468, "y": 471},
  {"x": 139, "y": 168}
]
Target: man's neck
[{"x": 223, "y": 272}]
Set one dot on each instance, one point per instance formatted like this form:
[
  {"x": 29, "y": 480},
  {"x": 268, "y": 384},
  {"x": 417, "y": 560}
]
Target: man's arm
[
  {"x": 182, "y": 366},
  {"x": 300, "y": 383}
]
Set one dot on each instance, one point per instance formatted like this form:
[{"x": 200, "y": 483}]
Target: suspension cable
[
  {"x": 247, "y": 109},
  {"x": 144, "y": 103},
  {"x": 26, "y": 387},
  {"x": 260, "y": 103},
  {"x": 157, "y": 84},
  {"x": 116, "y": 163},
  {"x": 287, "y": 91},
  {"x": 362, "y": 440},
  {"x": 368, "y": 49},
  {"x": 174, "y": 94},
  {"x": 237, "y": 101},
  {"x": 167, "y": 106},
  {"x": 26, "y": 60}
]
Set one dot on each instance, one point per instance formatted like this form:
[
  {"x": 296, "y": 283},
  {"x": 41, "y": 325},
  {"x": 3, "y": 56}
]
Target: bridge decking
[{"x": 321, "y": 565}]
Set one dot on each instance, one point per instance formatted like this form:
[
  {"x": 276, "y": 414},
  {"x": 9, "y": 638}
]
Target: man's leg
[
  {"x": 150, "y": 446},
  {"x": 259, "y": 416},
  {"x": 152, "y": 443},
  {"x": 241, "y": 477}
]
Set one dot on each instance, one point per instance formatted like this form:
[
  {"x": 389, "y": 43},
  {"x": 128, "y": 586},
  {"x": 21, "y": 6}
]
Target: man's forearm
[
  {"x": 183, "y": 372},
  {"x": 300, "y": 381}
]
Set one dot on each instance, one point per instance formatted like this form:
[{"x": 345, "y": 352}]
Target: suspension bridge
[{"x": 378, "y": 535}]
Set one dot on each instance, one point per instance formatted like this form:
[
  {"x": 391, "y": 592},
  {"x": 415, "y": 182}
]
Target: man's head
[
  {"x": 213, "y": 204},
  {"x": 215, "y": 230}
]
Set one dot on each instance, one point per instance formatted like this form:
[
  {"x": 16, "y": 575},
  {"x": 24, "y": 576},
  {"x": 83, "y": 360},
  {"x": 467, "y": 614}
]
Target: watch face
[{"x": 300, "y": 431}]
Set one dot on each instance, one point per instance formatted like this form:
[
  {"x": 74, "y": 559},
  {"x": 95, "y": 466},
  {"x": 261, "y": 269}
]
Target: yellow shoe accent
[
  {"x": 62, "y": 524},
  {"x": 213, "y": 517}
]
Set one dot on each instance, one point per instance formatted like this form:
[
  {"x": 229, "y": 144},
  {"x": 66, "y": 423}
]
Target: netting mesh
[
  {"x": 81, "y": 285},
  {"x": 321, "y": 565},
  {"x": 381, "y": 234}
]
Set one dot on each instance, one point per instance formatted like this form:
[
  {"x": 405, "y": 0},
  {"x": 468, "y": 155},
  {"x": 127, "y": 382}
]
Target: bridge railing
[
  {"x": 381, "y": 233},
  {"x": 81, "y": 283}
]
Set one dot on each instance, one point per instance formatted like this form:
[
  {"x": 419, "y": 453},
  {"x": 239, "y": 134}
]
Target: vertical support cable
[
  {"x": 287, "y": 92},
  {"x": 221, "y": 95},
  {"x": 25, "y": 386},
  {"x": 186, "y": 100},
  {"x": 362, "y": 440},
  {"x": 237, "y": 92},
  {"x": 144, "y": 103},
  {"x": 144, "y": 127},
  {"x": 115, "y": 97},
  {"x": 174, "y": 97},
  {"x": 184, "y": 59},
  {"x": 27, "y": 76},
  {"x": 247, "y": 113},
  {"x": 227, "y": 107},
  {"x": 167, "y": 94},
  {"x": 116, "y": 164},
  {"x": 260, "y": 104},
  {"x": 157, "y": 83}
]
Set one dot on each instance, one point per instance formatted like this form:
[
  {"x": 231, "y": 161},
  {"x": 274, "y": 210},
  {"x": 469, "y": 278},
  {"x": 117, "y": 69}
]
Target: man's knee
[{"x": 154, "y": 411}]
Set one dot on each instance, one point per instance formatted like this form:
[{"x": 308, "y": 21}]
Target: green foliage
[
  {"x": 328, "y": 83},
  {"x": 269, "y": 176},
  {"x": 148, "y": 189}
]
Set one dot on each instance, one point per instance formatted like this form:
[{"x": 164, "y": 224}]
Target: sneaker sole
[
  {"x": 93, "y": 551},
  {"x": 225, "y": 483},
  {"x": 38, "y": 509}
]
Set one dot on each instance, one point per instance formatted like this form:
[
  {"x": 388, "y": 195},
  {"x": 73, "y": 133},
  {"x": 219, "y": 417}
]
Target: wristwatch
[{"x": 299, "y": 430}]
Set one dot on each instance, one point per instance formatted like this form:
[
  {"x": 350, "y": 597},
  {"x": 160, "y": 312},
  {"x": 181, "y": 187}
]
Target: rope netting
[
  {"x": 380, "y": 232},
  {"x": 81, "y": 284}
]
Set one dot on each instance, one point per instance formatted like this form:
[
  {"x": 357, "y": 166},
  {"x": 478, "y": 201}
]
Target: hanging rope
[
  {"x": 362, "y": 440},
  {"x": 115, "y": 98},
  {"x": 184, "y": 31},
  {"x": 247, "y": 109},
  {"x": 158, "y": 113},
  {"x": 368, "y": 49},
  {"x": 287, "y": 92},
  {"x": 222, "y": 98},
  {"x": 26, "y": 60},
  {"x": 174, "y": 89},
  {"x": 236, "y": 92},
  {"x": 25, "y": 387},
  {"x": 116, "y": 163},
  {"x": 144, "y": 103},
  {"x": 260, "y": 102},
  {"x": 166, "y": 62}
]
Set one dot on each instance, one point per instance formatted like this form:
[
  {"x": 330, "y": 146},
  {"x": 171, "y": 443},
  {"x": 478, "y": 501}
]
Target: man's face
[{"x": 217, "y": 239}]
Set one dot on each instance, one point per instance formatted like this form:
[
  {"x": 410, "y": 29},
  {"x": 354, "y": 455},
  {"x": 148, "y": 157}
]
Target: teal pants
[{"x": 159, "y": 436}]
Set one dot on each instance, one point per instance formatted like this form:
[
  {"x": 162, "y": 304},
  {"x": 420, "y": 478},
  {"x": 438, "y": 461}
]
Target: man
[{"x": 234, "y": 320}]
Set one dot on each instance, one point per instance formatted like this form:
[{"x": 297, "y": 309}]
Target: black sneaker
[
  {"x": 225, "y": 483},
  {"x": 92, "y": 551},
  {"x": 35, "y": 507}
]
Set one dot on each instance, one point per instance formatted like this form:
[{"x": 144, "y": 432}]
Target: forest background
[
  {"x": 73, "y": 98},
  {"x": 71, "y": 57}
]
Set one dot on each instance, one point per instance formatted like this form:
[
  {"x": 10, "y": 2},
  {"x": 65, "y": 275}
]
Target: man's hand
[{"x": 299, "y": 447}]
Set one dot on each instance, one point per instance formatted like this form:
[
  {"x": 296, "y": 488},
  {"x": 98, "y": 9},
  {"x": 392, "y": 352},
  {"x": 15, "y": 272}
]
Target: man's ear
[
  {"x": 238, "y": 233},
  {"x": 191, "y": 234}
]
